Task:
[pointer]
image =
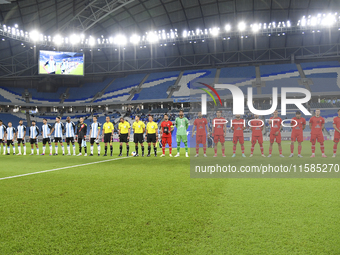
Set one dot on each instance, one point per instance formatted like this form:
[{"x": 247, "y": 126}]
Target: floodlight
[
  {"x": 34, "y": 35},
  {"x": 135, "y": 39},
  {"x": 120, "y": 40},
  {"x": 227, "y": 27},
  {"x": 74, "y": 39},
  {"x": 255, "y": 28},
  {"x": 241, "y": 26},
  {"x": 58, "y": 39},
  {"x": 152, "y": 37},
  {"x": 214, "y": 31}
]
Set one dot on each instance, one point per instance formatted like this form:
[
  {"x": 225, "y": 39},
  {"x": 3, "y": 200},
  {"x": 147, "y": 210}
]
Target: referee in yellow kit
[
  {"x": 124, "y": 135},
  {"x": 151, "y": 135},
  {"x": 108, "y": 129}
]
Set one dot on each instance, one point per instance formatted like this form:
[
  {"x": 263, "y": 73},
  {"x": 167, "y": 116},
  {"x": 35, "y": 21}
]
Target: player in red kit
[
  {"x": 336, "y": 126},
  {"x": 166, "y": 128},
  {"x": 238, "y": 125},
  {"x": 317, "y": 124},
  {"x": 257, "y": 127},
  {"x": 298, "y": 125},
  {"x": 275, "y": 133},
  {"x": 219, "y": 129},
  {"x": 201, "y": 125}
]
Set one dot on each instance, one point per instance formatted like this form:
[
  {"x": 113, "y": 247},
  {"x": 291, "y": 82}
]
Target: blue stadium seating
[{"x": 40, "y": 96}]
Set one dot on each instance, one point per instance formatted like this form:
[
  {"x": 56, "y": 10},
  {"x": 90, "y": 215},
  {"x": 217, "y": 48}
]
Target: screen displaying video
[{"x": 61, "y": 63}]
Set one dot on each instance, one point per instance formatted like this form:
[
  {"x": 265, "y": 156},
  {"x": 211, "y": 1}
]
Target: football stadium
[{"x": 169, "y": 127}]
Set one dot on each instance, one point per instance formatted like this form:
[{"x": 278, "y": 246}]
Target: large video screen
[{"x": 61, "y": 63}]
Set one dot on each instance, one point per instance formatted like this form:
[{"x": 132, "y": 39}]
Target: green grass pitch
[
  {"x": 152, "y": 206},
  {"x": 77, "y": 71}
]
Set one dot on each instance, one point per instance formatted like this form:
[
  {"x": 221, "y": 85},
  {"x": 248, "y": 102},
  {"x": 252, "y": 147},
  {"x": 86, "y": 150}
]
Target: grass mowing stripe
[{"x": 61, "y": 168}]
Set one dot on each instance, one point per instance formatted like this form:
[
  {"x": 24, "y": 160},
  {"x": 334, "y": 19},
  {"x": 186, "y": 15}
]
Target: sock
[
  {"x": 335, "y": 148},
  {"x": 252, "y": 149},
  {"x": 136, "y": 148},
  {"x": 37, "y": 151},
  {"x": 163, "y": 149},
  {"x": 313, "y": 149},
  {"x": 261, "y": 148},
  {"x": 4, "y": 148},
  {"x": 68, "y": 149},
  {"x": 127, "y": 149},
  {"x": 186, "y": 147},
  {"x": 98, "y": 146},
  {"x": 111, "y": 149},
  {"x": 270, "y": 151},
  {"x": 170, "y": 149},
  {"x": 50, "y": 149},
  {"x": 63, "y": 149},
  {"x": 155, "y": 150},
  {"x": 19, "y": 149},
  {"x": 234, "y": 149},
  {"x": 242, "y": 148},
  {"x": 204, "y": 148},
  {"x": 223, "y": 151},
  {"x": 322, "y": 147},
  {"x": 79, "y": 148},
  {"x": 280, "y": 150},
  {"x": 25, "y": 149},
  {"x": 120, "y": 149},
  {"x": 44, "y": 149},
  {"x": 299, "y": 149},
  {"x": 292, "y": 148},
  {"x": 74, "y": 149},
  {"x": 105, "y": 149},
  {"x": 215, "y": 149},
  {"x": 178, "y": 147},
  {"x": 85, "y": 148},
  {"x": 56, "y": 149},
  {"x": 32, "y": 151},
  {"x": 8, "y": 149},
  {"x": 143, "y": 150},
  {"x": 197, "y": 148},
  {"x": 149, "y": 149},
  {"x": 91, "y": 149}
]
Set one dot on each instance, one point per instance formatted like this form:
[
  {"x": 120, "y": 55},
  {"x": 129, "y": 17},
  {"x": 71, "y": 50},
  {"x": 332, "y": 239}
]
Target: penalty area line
[{"x": 61, "y": 168}]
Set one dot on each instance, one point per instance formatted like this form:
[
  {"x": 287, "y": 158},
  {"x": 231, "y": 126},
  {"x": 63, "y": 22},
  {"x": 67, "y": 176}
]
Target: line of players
[
  {"x": 298, "y": 124},
  {"x": 77, "y": 133}
]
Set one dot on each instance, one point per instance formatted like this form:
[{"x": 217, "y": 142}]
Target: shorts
[
  {"x": 2, "y": 141},
  {"x": 138, "y": 138},
  {"x": 33, "y": 141},
  {"x": 21, "y": 140},
  {"x": 151, "y": 138},
  {"x": 108, "y": 138},
  {"x": 201, "y": 139},
  {"x": 10, "y": 142},
  {"x": 276, "y": 138},
  {"x": 239, "y": 139},
  {"x": 255, "y": 139},
  {"x": 317, "y": 137},
  {"x": 58, "y": 139},
  {"x": 46, "y": 140},
  {"x": 69, "y": 139},
  {"x": 219, "y": 138},
  {"x": 166, "y": 140},
  {"x": 123, "y": 138},
  {"x": 183, "y": 138},
  {"x": 297, "y": 137},
  {"x": 94, "y": 140}
]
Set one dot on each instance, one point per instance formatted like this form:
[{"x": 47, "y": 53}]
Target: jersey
[
  {"x": 2, "y": 132},
  {"x": 166, "y": 127},
  {"x": 219, "y": 125},
  {"x": 70, "y": 128},
  {"x": 138, "y": 127},
  {"x": 51, "y": 66},
  {"x": 299, "y": 125},
  {"x": 58, "y": 129},
  {"x": 95, "y": 130},
  {"x": 21, "y": 130},
  {"x": 81, "y": 130},
  {"x": 256, "y": 128},
  {"x": 33, "y": 132},
  {"x": 151, "y": 127},
  {"x": 10, "y": 133},
  {"x": 200, "y": 125},
  {"x": 124, "y": 127},
  {"x": 316, "y": 125},
  {"x": 108, "y": 127},
  {"x": 275, "y": 126},
  {"x": 182, "y": 125},
  {"x": 238, "y": 126},
  {"x": 46, "y": 129},
  {"x": 336, "y": 122}
]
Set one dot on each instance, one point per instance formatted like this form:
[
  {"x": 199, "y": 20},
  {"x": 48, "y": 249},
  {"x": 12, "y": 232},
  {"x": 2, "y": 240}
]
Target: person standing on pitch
[
  {"x": 10, "y": 138},
  {"x": 138, "y": 134},
  {"x": 257, "y": 127},
  {"x": 70, "y": 128},
  {"x": 219, "y": 131},
  {"x": 317, "y": 124},
  {"x": 94, "y": 134},
  {"x": 124, "y": 136},
  {"x": 108, "y": 129},
  {"x": 238, "y": 126},
  {"x": 45, "y": 131},
  {"x": 201, "y": 124},
  {"x": 81, "y": 136},
  {"x": 275, "y": 133},
  {"x": 21, "y": 133},
  {"x": 182, "y": 125},
  {"x": 151, "y": 135},
  {"x": 33, "y": 133},
  {"x": 336, "y": 126},
  {"x": 2, "y": 136},
  {"x": 166, "y": 129},
  {"x": 58, "y": 129},
  {"x": 298, "y": 125}
]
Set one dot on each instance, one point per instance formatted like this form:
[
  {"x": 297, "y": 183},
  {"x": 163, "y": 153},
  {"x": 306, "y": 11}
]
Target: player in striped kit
[
  {"x": 33, "y": 133},
  {"x": 94, "y": 134},
  {"x": 10, "y": 138},
  {"x": 21, "y": 133},
  {"x": 58, "y": 129},
  {"x": 45, "y": 131},
  {"x": 70, "y": 132},
  {"x": 2, "y": 136}
]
